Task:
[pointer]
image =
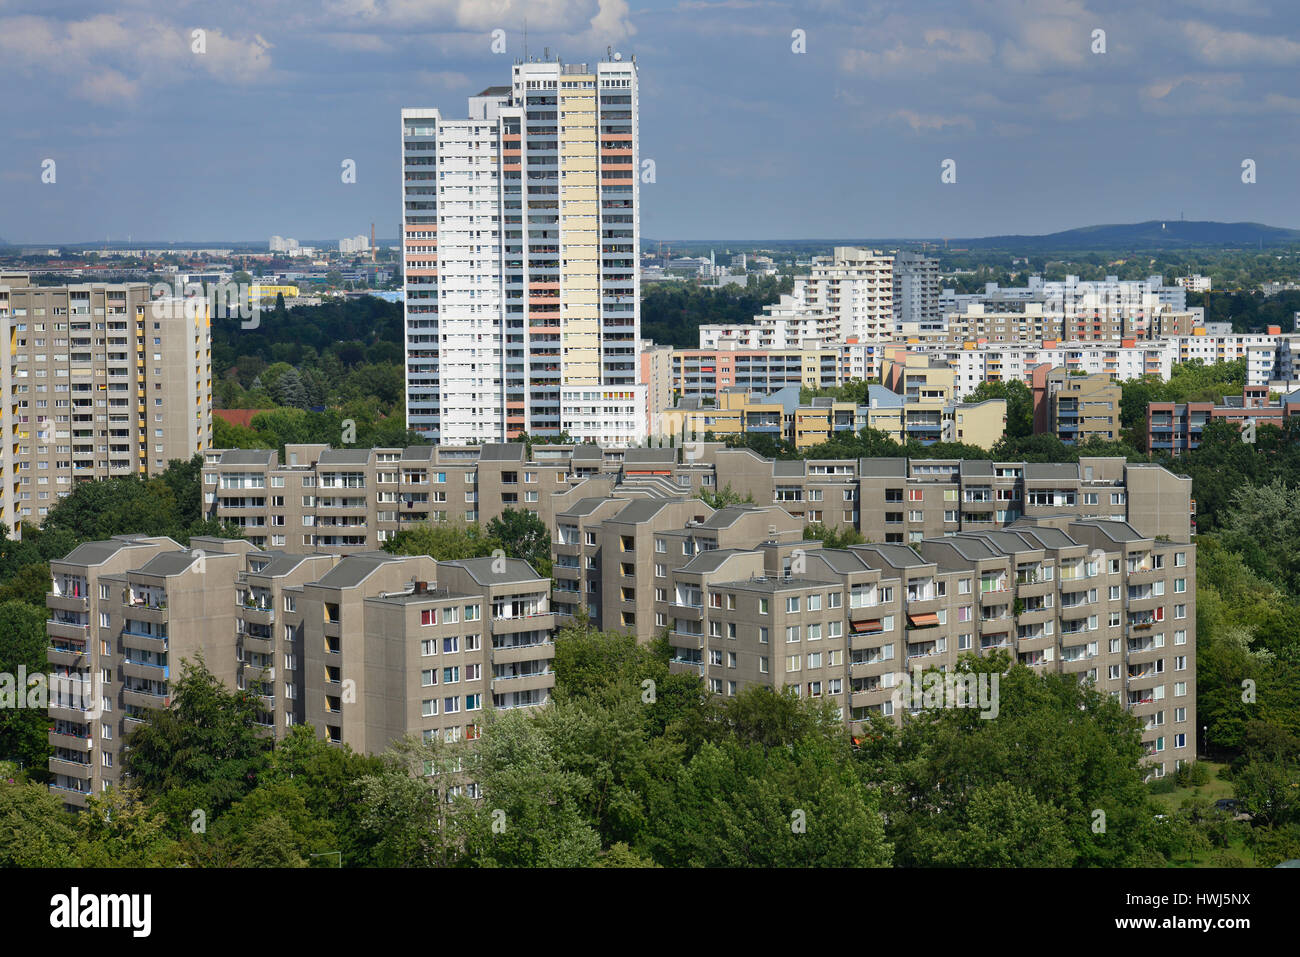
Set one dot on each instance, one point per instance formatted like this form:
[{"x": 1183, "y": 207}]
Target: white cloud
[
  {"x": 1217, "y": 46},
  {"x": 107, "y": 60},
  {"x": 932, "y": 122},
  {"x": 937, "y": 47}
]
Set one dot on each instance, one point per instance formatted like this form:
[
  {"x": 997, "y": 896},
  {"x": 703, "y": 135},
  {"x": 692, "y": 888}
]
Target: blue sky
[{"x": 750, "y": 139}]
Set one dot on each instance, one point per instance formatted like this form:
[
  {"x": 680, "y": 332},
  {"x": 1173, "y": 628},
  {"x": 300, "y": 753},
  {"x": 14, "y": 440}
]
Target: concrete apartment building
[
  {"x": 520, "y": 229},
  {"x": 916, "y": 293},
  {"x": 278, "y": 505},
  {"x": 610, "y": 554},
  {"x": 1075, "y": 407},
  {"x": 1176, "y": 427},
  {"x": 426, "y": 646},
  {"x": 122, "y": 612},
  {"x": 397, "y": 645},
  {"x": 1088, "y": 597},
  {"x": 100, "y": 381}
]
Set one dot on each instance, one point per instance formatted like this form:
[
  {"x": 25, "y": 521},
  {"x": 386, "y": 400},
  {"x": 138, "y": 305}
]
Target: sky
[{"x": 764, "y": 119}]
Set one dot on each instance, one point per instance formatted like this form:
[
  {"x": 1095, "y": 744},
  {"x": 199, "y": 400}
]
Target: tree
[
  {"x": 445, "y": 541},
  {"x": 203, "y": 752},
  {"x": 35, "y": 831},
  {"x": 23, "y": 644},
  {"x": 839, "y": 537},
  {"x": 530, "y": 815},
  {"x": 1020, "y": 404},
  {"x": 523, "y": 535},
  {"x": 724, "y": 496}
]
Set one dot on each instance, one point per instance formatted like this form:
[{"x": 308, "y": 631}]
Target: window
[
  {"x": 429, "y": 707},
  {"x": 1180, "y": 559},
  {"x": 793, "y": 663},
  {"x": 1180, "y": 585},
  {"x": 428, "y": 647},
  {"x": 762, "y": 636},
  {"x": 429, "y": 616},
  {"x": 428, "y": 677},
  {"x": 450, "y": 645},
  {"x": 792, "y": 604},
  {"x": 762, "y": 606},
  {"x": 792, "y": 633},
  {"x": 762, "y": 664}
]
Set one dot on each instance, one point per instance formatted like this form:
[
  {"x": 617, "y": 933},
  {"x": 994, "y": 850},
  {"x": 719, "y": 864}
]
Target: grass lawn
[{"x": 1213, "y": 791}]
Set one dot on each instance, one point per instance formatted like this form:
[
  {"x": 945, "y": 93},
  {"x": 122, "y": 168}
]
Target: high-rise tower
[{"x": 520, "y": 240}]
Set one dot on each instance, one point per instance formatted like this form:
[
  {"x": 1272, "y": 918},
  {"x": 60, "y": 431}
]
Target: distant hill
[{"x": 1154, "y": 234}]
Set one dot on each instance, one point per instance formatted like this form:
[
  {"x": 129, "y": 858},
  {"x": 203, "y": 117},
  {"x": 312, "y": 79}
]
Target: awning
[
  {"x": 923, "y": 621},
  {"x": 869, "y": 625}
]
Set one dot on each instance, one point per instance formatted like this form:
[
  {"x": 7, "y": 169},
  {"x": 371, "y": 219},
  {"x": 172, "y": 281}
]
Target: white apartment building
[
  {"x": 854, "y": 285},
  {"x": 520, "y": 234},
  {"x": 1269, "y": 357},
  {"x": 1194, "y": 283}
]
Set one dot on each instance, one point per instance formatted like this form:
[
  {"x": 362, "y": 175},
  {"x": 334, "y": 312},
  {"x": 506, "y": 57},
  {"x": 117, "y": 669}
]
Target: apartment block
[
  {"x": 122, "y": 613},
  {"x": 361, "y": 497},
  {"x": 100, "y": 381},
  {"x": 398, "y": 645},
  {"x": 344, "y": 500},
  {"x": 1092, "y": 598},
  {"x": 422, "y": 645},
  {"x": 1075, "y": 407},
  {"x": 1176, "y": 427},
  {"x": 520, "y": 236},
  {"x": 611, "y": 554},
  {"x": 916, "y": 293}
]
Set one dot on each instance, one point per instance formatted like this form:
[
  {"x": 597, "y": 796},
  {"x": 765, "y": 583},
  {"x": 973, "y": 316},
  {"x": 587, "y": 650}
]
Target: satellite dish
[{"x": 618, "y": 57}]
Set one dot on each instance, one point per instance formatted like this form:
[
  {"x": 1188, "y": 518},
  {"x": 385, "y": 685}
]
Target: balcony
[
  {"x": 512, "y": 654},
  {"x": 528, "y": 682},
  {"x": 76, "y": 769},
  {"x": 145, "y": 699},
  {"x": 145, "y": 670},
  {"x": 70, "y": 653},
  {"x": 517, "y": 623},
  {"x": 71, "y": 742},
  {"x": 67, "y": 602},
  {"x": 66, "y": 629},
  {"x": 262, "y": 645},
  {"x": 686, "y": 612},
  {"x": 257, "y": 613},
  {"x": 74, "y": 796},
  {"x": 143, "y": 642}
]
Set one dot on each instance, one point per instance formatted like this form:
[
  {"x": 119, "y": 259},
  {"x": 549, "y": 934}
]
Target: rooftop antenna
[{"x": 525, "y": 39}]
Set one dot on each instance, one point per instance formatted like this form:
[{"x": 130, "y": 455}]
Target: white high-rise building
[
  {"x": 854, "y": 285},
  {"x": 520, "y": 238},
  {"x": 916, "y": 293}
]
